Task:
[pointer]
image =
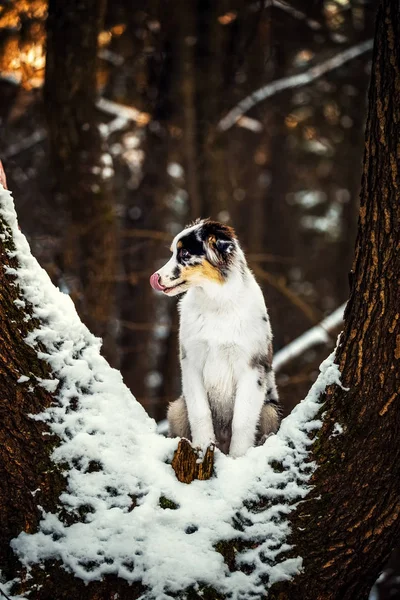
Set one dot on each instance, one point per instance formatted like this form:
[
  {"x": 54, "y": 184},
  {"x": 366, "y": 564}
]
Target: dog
[{"x": 229, "y": 396}]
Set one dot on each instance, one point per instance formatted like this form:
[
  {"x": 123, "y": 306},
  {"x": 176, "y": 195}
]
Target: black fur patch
[
  {"x": 261, "y": 361},
  {"x": 175, "y": 273},
  {"x": 219, "y": 242},
  {"x": 211, "y": 235},
  {"x": 218, "y": 230},
  {"x": 193, "y": 245},
  {"x": 270, "y": 398}
]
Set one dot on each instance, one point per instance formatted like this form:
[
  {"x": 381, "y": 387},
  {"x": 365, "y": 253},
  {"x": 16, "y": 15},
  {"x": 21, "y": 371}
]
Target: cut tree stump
[{"x": 188, "y": 463}]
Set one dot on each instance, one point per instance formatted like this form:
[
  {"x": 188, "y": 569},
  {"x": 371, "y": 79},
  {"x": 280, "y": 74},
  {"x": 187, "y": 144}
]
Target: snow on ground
[{"x": 113, "y": 459}]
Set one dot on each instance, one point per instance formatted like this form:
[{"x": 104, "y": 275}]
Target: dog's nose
[{"x": 156, "y": 283}]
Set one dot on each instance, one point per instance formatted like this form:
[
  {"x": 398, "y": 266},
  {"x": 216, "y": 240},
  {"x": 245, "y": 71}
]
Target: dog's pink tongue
[{"x": 155, "y": 282}]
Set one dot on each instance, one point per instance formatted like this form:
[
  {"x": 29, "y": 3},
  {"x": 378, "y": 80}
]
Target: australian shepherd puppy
[{"x": 229, "y": 396}]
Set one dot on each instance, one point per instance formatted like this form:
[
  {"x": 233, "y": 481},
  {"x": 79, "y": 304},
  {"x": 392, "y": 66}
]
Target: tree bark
[
  {"x": 350, "y": 522},
  {"x": 346, "y": 526},
  {"x": 25, "y": 464},
  {"x": 77, "y": 152}
]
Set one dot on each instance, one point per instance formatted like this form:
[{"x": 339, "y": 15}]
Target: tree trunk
[
  {"x": 350, "y": 522},
  {"x": 81, "y": 170},
  {"x": 347, "y": 524},
  {"x": 25, "y": 463}
]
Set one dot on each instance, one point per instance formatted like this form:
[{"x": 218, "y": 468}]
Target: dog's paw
[
  {"x": 239, "y": 449},
  {"x": 201, "y": 445}
]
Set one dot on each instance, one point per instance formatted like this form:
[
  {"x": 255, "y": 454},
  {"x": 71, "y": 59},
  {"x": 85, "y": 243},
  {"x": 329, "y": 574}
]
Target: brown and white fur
[{"x": 229, "y": 394}]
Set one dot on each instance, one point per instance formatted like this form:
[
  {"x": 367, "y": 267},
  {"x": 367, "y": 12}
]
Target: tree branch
[
  {"x": 316, "y": 335},
  {"x": 293, "y": 81},
  {"x": 128, "y": 113},
  {"x": 294, "y": 12},
  {"x": 286, "y": 291}
]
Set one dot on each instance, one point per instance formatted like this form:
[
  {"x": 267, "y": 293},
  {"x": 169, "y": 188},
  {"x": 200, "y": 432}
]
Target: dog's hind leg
[
  {"x": 269, "y": 421},
  {"x": 270, "y": 416},
  {"x": 178, "y": 420}
]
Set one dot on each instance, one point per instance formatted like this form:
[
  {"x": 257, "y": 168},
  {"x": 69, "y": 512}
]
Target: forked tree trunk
[{"x": 346, "y": 526}]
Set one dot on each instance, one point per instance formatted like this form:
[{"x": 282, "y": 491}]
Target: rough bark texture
[
  {"x": 25, "y": 465},
  {"x": 350, "y": 522},
  {"x": 189, "y": 466},
  {"x": 76, "y": 148}
]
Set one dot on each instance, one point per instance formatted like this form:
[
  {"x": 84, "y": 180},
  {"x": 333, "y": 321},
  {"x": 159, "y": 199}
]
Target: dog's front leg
[
  {"x": 249, "y": 400},
  {"x": 199, "y": 412}
]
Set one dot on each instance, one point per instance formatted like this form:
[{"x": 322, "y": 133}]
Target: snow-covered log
[{"x": 90, "y": 505}]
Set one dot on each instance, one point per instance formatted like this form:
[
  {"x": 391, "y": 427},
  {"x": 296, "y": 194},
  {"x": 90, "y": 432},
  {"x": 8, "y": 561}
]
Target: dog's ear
[
  {"x": 219, "y": 242},
  {"x": 225, "y": 246},
  {"x": 218, "y": 251}
]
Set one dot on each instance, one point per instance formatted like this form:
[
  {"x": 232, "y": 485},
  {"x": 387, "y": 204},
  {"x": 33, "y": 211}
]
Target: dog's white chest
[
  {"x": 218, "y": 346},
  {"x": 220, "y": 373}
]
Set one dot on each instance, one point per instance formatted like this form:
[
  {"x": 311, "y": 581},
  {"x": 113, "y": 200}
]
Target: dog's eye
[{"x": 185, "y": 254}]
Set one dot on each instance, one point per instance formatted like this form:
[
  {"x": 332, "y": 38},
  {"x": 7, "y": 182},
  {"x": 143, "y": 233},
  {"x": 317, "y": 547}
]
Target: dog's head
[{"x": 201, "y": 253}]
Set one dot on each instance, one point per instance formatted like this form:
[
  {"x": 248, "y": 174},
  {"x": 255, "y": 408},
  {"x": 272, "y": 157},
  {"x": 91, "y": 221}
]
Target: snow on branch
[
  {"x": 294, "y": 12},
  {"x": 292, "y": 82},
  {"x": 316, "y": 335},
  {"x": 124, "y": 112},
  {"x": 123, "y": 115},
  {"x": 36, "y": 137}
]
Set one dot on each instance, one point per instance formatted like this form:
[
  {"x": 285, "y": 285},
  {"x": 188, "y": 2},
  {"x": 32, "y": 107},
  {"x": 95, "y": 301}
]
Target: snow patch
[
  {"x": 118, "y": 471},
  {"x": 6, "y": 587},
  {"x": 337, "y": 430},
  {"x": 50, "y": 385},
  {"x": 19, "y": 303}
]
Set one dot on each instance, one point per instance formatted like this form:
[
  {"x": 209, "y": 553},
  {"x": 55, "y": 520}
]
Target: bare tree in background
[{"x": 81, "y": 168}]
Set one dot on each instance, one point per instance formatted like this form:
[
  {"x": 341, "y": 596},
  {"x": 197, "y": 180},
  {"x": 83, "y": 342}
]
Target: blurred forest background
[{"x": 116, "y": 129}]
